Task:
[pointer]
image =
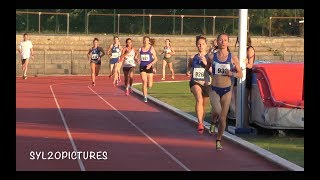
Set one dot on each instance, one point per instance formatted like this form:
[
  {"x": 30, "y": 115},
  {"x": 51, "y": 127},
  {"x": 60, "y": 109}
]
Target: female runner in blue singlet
[
  {"x": 147, "y": 57},
  {"x": 220, "y": 65},
  {"x": 94, "y": 56}
]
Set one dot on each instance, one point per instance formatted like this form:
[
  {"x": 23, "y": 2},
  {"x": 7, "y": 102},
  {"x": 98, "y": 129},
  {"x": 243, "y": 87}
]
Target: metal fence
[
  {"x": 96, "y": 23},
  {"x": 176, "y": 24},
  {"x": 43, "y": 16},
  {"x": 293, "y": 27}
]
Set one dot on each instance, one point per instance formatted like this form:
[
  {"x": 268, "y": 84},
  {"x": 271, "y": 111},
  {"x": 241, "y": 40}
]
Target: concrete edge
[{"x": 262, "y": 152}]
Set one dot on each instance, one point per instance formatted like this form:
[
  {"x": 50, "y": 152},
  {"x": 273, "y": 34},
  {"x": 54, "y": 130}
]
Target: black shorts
[
  {"x": 204, "y": 89},
  {"x": 127, "y": 69},
  {"x": 144, "y": 69},
  {"x": 23, "y": 61},
  {"x": 249, "y": 78}
]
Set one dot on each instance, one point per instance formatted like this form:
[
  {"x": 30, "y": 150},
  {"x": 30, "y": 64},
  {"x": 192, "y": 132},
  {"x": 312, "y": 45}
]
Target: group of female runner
[
  {"x": 127, "y": 58},
  {"x": 212, "y": 73}
]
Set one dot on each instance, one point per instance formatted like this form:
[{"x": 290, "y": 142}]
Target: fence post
[
  {"x": 182, "y": 24},
  {"x": 150, "y": 15},
  {"x": 27, "y": 21},
  {"x": 87, "y": 24},
  {"x": 118, "y": 24},
  {"x": 204, "y": 22},
  {"x": 39, "y": 21},
  {"x": 174, "y": 22},
  {"x": 67, "y": 24},
  {"x": 213, "y": 25},
  {"x": 114, "y": 21},
  {"x": 143, "y": 12},
  {"x": 270, "y": 26}
]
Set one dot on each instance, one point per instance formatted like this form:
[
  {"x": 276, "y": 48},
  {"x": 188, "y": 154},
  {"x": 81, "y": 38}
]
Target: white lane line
[
  {"x": 68, "y": 131},
  {"x": 145, "y": 134}
]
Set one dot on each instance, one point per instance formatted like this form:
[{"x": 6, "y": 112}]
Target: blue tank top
[
  {"x": 219, "y": 68},
  {"x": 145, "y": 57},
  {"x": 115, "y": 52},
  {"x": 197, "y": 69},
  {"x": 95, "y": 53}
]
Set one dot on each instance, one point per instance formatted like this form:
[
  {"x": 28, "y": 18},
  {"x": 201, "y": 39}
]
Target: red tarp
[{"x": 281, "y": 84}]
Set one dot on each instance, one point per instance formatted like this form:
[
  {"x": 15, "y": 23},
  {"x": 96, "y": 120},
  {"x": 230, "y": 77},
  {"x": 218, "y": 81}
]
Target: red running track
[{"x": 61, "y": 115}]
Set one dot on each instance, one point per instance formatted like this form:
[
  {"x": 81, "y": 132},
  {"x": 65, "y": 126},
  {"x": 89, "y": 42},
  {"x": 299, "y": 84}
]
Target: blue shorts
[
  {"x": 221, "y": 91},
  {"x": 96, "y": 61},
  {"x": 114, "y": 60}
]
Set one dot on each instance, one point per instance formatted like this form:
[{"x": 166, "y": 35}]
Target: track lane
[{"x": 95, "y": 126}]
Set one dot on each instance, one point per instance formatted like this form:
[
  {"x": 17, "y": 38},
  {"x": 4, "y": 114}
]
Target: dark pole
[
  {"x": 204, "y": 22},
  {"x": 114, "y": 21},
  {"x": 143, "y": 21},
  {"x": 174, "y": 22},
  {"x": 27, "y": 21}
]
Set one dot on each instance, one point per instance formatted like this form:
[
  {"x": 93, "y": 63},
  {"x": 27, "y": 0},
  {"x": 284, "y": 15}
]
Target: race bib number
[
  {"x": 115, "y": 55},
  {"x": 129, "y": 61},
  {"x": 221, "y": 68},
  {"x": 145, "y": 57},
  {"x": 94, "y": 56},
  {"x": 198, "y": 73}
]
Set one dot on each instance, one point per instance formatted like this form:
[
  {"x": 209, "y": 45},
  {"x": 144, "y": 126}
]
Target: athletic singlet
[
  {"x": 115, "y": 52},
  {"x": 197, "y": 71},
  {"x": 219, "y": 68},
  {"x": 145, "y": 57},
  {"x": 95, "y": 53},
  {"x": 254, "y": 58},
  {"x": 167, "y": 50},
  {"x": 129, "y": 59}
]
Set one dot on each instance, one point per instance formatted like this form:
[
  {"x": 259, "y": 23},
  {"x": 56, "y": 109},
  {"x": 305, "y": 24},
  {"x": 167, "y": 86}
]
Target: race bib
[
  {"x": 221, "y": 68},
  {"x": 94, "y": 56},
  {"x": 145, "y": 57},
  {"x": 198, "y": 73},
  {"x": 115, "y": 55},
  {"x": 129, "y": 61}
]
